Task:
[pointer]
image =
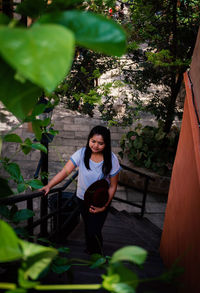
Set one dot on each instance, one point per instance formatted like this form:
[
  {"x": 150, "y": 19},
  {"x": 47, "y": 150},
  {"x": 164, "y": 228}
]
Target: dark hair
[{"x": 105, "y": 133}]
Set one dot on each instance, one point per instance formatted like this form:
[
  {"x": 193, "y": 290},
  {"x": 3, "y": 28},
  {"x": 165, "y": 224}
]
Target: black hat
[{"x": 97, "y": 194}]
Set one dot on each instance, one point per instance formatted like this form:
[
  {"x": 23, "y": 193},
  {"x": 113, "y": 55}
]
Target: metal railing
[
  {"x": 147, "y": 178},
  {"x": 44, "y": 214}
]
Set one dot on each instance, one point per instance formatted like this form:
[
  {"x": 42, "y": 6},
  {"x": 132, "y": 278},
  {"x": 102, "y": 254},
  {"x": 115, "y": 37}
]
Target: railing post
[
  {"x": 44, "y": 199},
  {"x": 30, "y": 220},
  {"x": 59, "y": 215},
  {"x": 144, "y": 196}
]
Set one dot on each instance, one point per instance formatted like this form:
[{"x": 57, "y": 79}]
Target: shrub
[{"x": 151, "y": 147}]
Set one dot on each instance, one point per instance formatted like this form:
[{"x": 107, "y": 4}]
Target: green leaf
[
  {"x": 59, "y": 269},
  {"x": 123, "y": 288},
  {"x": 64, "y": 249},
  {"x": 43, "y": 54},
  {"x": 12, "y": 138},
  {"x": 91, "y": 31},
  {"x": 19, "y": 98},
  {"x": 133, "y": 254},
  {"x": 109, "y": 281},
  {"x": 26, "y": 146},
  {"x": 4, "y": 211},
  {"x": 35, "y": 183},
  {"x": 37, "y": 258},
  {"x": 14, "y": 170},
  {"x": 23, "y": 280},
  {"x": 9, "y": 247},
  {"x": 5, "y": 189},
  {"x": 22, "y": 215},
  {"x": 21, "y": 187},
  {"x": 98, "y": 263},
  {"x": 36, "y": 125},
  {"x": 39, "y": 146}
]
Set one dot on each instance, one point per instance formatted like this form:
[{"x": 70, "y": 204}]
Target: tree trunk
[{"x": 175, "y": 88}]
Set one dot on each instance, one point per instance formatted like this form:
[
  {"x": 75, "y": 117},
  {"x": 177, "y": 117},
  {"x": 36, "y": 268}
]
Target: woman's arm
[
  {"x": 111, "y": 191},
  {"x": 67, "y": 169}
]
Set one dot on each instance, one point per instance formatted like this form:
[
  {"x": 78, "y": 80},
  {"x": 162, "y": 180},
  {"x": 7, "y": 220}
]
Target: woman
[{"x": 95, "y": 162}]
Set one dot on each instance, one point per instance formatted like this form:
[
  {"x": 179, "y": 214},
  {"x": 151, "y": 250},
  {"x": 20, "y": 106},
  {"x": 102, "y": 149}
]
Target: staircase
[{"x": 120, "y": 229}]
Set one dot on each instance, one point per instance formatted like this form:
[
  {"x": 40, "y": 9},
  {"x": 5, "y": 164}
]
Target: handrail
[
  {"x": 146, "y": 183},
  {"x": 36, "y": 194},
  {"x": 136, "y": 172}
]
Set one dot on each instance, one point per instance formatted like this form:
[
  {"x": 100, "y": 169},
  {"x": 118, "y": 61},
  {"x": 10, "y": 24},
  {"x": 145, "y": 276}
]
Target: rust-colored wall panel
[
  {"x": 195, "y": 73},
  {"x": 181, "y": 232}
]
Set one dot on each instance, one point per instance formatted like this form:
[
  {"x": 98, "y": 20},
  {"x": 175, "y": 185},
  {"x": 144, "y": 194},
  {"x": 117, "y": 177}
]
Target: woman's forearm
[{"x": 61, "y": 175}]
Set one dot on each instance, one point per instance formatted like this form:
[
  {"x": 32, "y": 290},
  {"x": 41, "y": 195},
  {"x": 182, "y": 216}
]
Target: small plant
[
  {"x": 32, "y": 261},
  {"x": 151, "y": 147}
]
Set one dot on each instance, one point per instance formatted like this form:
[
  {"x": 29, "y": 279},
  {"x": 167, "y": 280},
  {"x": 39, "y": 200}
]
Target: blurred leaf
[
  {"x": 64, "y": 249},
  {"x": 22, "y": 215},
  {"x": 5, "y": 189},
  {"x": 36, "y": 125},
  {"x": 123, "y": 288},
  {"x": 14, "y": 170},
  {"x": 21, "y": 187},
  {"x": 35, "y": 183},
  {"x": 16, "y": 290},
  {"x": 133, "y": 254},
  {"x": 91, "y": 31},
  {"x": 26, "y": 146},
  {"x": 43, "y": 54},
  {"x": 59, "y": 269},
  {"x": 23, "y": 280},
  {"x": 39, "y": 146},
  {"x": 4, "y": 19},
  {"x": 98, "y": 263},
  {"x": 15, "y": 97},
  {"x": 9, "y": 247},
  {"x": 12, "y": 138},
  {"x": 37, "y": 258},
  {"x": 4, "y": 211},
  {"x": 31, "y": 8}
]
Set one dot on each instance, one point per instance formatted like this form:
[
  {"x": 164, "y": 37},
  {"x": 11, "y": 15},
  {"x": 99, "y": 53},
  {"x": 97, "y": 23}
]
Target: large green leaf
[
  {"x": 9, "y": 247},
  {"x": 91, "y": 31},
  {"x": 133, "y": 254},
  {"x": 43, "y": 54},
  {"x": 19, "y": 98},
  {"x": 37, "y": 258},
  {"x": 14, "y": 170}
]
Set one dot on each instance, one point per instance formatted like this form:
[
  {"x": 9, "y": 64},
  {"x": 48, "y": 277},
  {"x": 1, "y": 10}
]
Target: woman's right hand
[{"x": 45, "y": 189}]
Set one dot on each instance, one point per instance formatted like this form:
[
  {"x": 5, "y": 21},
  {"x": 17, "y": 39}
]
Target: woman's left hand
[{"x": 95, "y": 210}]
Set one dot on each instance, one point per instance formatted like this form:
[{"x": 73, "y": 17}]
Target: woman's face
[{"x": 96, "y": 143}]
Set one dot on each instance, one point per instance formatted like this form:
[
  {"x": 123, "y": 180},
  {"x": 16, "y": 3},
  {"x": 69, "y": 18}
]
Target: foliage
[
  {"x": 34, "y": 260},
  {"x": 36, "y": 59},
  {"x": 151, "y": 147},
  {"x": 162, "y": 36}
]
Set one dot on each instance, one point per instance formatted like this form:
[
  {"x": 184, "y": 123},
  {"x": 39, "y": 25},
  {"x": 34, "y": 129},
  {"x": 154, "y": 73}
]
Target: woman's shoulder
[{"x": 114, "y": 157}]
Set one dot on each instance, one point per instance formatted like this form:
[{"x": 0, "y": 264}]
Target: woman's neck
[{"x": 96, "y": 157}]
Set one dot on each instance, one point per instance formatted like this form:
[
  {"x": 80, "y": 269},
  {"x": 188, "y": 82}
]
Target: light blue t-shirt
[{"x": 87, "y": 177}]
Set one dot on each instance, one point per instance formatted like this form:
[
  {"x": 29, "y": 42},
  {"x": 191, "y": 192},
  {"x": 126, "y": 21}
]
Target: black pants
[{"x": 93, "y": 227}]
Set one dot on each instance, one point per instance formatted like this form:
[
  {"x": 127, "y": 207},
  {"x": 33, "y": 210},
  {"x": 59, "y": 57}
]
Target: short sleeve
[
  {"x": 115, "y": 166},
  {"x": 77, "y": 157}
]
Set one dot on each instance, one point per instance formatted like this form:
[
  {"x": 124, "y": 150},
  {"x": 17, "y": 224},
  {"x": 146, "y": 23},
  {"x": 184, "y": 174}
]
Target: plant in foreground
[{"x": 33, "y": 259}]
